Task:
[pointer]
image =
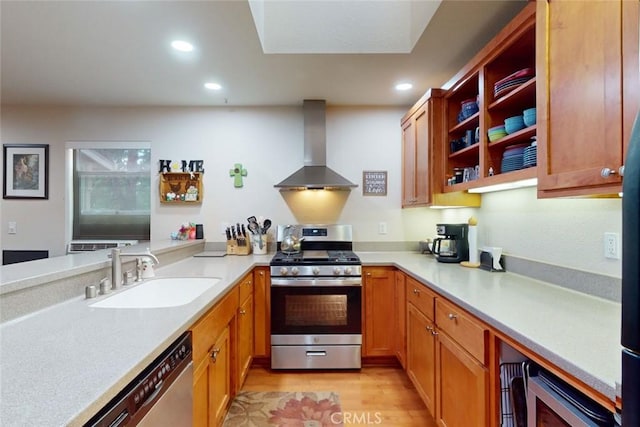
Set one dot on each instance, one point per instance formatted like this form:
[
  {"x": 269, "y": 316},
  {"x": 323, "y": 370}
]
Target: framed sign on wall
[{"x": 374, "y": 183}]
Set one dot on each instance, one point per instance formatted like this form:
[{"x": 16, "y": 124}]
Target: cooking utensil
[
  {"x": 253, "y": 228},
  {"x": 266, "y": 225}
]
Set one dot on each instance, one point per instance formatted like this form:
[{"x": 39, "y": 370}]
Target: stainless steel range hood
[{"x": 315, "y": 174}]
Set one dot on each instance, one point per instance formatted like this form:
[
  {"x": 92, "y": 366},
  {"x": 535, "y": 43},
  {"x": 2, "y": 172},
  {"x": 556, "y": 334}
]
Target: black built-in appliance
[
  {"x": 316, "y": 300},
  {"x": 452, "y": 243},
  {"x": 631, "y": 281}
]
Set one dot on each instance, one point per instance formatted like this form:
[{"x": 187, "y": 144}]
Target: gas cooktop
[{"x": 316, "y": 257}]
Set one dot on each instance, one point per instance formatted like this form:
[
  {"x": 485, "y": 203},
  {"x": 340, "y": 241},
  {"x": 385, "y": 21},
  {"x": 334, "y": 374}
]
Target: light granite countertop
[{"x": 60, "y": 365}]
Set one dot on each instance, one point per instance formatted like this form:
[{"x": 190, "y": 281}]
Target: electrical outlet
[
  {"x": 382, "y": 228},
  {"x": 612, "y": 245},
  {"x": 13, "y": 227}
]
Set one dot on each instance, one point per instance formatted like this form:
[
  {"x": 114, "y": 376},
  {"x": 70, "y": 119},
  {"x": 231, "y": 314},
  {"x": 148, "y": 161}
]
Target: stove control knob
[
  {"x": 295, "y": 271},
  {"x": 284, "y": 271},
  {"x": 315, "y": 271},
  {"x": 348, "y": 271},
  {"x": 336, "y": 271}
]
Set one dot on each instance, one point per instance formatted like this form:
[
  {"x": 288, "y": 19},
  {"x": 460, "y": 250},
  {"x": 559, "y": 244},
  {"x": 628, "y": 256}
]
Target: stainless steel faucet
[{"x": 116, "y": 265}]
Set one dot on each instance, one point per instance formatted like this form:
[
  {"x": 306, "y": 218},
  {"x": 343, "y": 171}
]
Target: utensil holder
[{"x": 257, "y": 241}]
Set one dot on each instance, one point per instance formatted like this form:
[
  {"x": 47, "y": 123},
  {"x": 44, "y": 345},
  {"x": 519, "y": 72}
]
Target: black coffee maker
[{"x": 453, "y": 243}]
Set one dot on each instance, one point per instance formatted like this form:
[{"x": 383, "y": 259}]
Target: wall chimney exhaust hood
[{"x": 315, "y": 175}]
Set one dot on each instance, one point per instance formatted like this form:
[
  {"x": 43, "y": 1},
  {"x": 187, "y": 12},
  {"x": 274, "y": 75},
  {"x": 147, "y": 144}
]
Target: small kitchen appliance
[
  {"x": 453, "y": 243},
  {"x": 316, "y": 299}
]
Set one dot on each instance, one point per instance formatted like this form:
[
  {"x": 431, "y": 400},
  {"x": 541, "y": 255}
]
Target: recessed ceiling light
[
  {"x": 213, "y": 86},
  {"x": 404, "y": 86},
  {"x": 182, "y": 45}
]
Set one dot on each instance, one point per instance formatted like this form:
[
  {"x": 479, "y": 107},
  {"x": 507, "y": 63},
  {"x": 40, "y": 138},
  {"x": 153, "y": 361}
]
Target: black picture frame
[{"x": 26, "y": 171}]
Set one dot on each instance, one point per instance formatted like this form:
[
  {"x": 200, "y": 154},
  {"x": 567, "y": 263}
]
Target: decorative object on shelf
[
  {"x": 237, "y": 173},
  {"x": 26, "y": 171},
  {"x": 374, "y": 183}
]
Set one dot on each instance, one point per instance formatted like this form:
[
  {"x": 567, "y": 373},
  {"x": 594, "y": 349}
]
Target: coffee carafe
[{"x": 452, "y": 245}]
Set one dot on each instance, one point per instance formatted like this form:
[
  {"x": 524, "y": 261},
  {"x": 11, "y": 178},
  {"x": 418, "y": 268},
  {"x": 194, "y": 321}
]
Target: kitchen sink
[{"x": 160, "y": 293}]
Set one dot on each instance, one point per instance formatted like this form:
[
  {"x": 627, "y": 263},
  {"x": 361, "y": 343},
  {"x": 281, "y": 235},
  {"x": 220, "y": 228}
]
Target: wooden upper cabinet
[
  {"x": 409, "y": 197},
  {"x": 587, "y": 93}
]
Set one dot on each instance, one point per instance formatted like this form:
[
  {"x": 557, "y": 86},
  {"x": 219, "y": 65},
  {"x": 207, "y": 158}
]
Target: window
[{"x": 111, "y": 193}]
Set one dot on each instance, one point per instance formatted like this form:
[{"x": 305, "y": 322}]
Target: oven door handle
[{"x": 355, "y": 281}]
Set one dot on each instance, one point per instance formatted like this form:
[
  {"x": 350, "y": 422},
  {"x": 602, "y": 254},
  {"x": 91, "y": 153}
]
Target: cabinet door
[
  {"x": 462, "y": 387},
  {"x": 400, "y": 318},
  {"x": 408, "y": 163},
  {"x": 379, "y": 333},
  {"x": 245, "y": 339},
  {"x": 421, "y": 355},
  {"x": 219, "y": 378},
  {"x": 262, "y": 312},
  {"x": 201, "y": 394},
  {"x": 579, "y": 82},
  {"x": 422, "y": 157}
]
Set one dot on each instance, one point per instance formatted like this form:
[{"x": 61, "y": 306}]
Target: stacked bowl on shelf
[
  {"x": 468, "y": 108},
  {"x": 514, "y": 124},
  {"x": 496, "y": 132},
  {"x": 529, "y": 116}
]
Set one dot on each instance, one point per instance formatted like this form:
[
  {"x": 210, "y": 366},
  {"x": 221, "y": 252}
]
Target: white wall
[
  {"x": 269, "y": 144},
  {"x": 567, "y": 232},
  {"x": 267, "y": 141}
]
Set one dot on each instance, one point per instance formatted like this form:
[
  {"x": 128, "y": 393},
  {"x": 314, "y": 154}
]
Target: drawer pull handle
[
  {"x": 415, "y": 291},
  {"x": 214, "y": 354},
  {"x": 429, "y": 328},
  {"x": 243, "y": 311},
  {"x": 453, "y": 316},
  {"x": 434, "y": 332}
]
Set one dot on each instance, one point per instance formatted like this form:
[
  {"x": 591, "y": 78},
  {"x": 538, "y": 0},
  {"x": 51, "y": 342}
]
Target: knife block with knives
[{"x": 238, "y": 241}]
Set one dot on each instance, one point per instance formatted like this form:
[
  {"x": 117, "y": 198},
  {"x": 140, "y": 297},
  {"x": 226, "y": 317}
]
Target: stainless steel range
[{"x": 316, "y": 299}]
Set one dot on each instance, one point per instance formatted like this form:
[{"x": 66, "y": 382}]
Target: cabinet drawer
[
  {"x": 205, "y": 331},
  {"x": 246, "y": 287},
  {"x": 462, "y": 328},
  {"x": 420, "y": 296}
]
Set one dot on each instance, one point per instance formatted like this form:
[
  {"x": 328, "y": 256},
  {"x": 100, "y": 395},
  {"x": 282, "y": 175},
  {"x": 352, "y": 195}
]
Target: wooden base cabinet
[
  {"x": 245, "y": 330},
  {"x": 421, "y": 351},
  {"x": 262, "y": 312},
  {"x": 378, "y": 314},
  {"x": 400, "y": 318},
  {"x": 447, "y": 359},
  {"x": 212, "y": 338},
  {"x": 462, "y": 383}
]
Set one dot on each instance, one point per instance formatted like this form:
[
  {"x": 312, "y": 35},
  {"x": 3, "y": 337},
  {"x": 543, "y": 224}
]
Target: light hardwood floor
[{"x": 373, "y": 396}]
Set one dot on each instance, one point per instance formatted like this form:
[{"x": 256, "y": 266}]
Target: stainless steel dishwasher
[{"x": 161, "y": 395}]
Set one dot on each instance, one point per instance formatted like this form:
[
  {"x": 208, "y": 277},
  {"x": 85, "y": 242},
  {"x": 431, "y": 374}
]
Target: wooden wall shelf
[{"x": 181, "y": 187}]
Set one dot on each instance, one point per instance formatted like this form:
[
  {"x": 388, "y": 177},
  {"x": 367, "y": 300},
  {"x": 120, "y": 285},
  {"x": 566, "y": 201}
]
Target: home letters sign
[{"x": 183, "y": 166}]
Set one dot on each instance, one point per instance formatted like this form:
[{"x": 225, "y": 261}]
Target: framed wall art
[
  {"x": 26, "y": 171},
  {"x": 374, "y": 183}
]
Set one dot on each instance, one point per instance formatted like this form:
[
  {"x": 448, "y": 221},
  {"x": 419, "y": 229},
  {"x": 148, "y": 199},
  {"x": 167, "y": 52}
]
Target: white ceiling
[{"x": 116, "y": 53}]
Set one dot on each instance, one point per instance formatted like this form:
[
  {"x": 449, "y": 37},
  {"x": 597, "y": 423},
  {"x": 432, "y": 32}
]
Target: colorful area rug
[{"x": 279, "y": 408}]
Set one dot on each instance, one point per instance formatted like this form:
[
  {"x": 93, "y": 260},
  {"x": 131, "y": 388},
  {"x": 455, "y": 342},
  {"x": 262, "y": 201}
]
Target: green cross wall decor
[{"x": 237, "y": 173}]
